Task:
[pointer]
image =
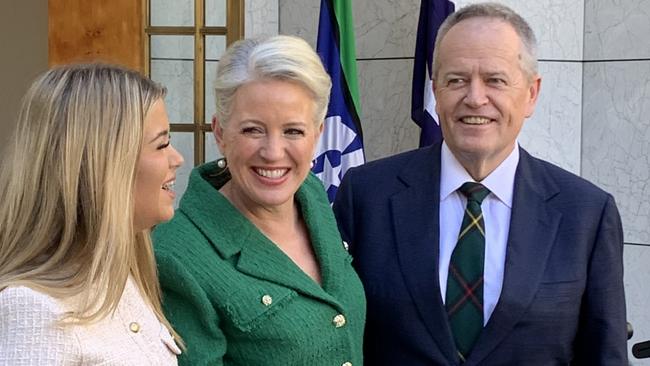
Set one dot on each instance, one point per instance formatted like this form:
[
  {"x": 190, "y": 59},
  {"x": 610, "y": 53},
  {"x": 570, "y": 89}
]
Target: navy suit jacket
[{"x": 562, "y": 300}]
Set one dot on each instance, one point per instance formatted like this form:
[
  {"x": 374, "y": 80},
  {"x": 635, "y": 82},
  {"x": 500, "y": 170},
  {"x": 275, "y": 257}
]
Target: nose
[
  {"x": 476, "y": 94},
  {"x": 272, "y": 148},
  {"x": 175, "y": 159}
]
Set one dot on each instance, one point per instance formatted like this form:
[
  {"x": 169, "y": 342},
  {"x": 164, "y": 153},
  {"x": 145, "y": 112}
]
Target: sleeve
[
  {"x": 344, "y": 210},
  {"x": 29, "y": 333},
  {"x": 191, "y": 313},
  {"x": 602, "y": 334}
]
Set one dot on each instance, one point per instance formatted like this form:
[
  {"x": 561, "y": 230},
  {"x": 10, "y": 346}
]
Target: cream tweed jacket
[{"x": 29, "y": 335}]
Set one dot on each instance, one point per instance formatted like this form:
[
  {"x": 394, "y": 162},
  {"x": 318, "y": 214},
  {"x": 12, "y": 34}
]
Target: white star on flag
[
  {"x": 337, "y": 137},
  {"x": 330, "y": 174}
]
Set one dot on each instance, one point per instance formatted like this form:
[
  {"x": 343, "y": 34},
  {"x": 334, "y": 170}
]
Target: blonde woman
[
  {"x": 253, "y": 268},
  {"x": 89, "y": 172}
]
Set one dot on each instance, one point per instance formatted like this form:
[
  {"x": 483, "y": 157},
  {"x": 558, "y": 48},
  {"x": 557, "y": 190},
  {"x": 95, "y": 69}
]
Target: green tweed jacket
[{"x": 237, "y": 299}]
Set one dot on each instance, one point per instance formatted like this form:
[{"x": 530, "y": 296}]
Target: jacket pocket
[
  {"x": 251, "y": 306},
  {"x": 560, "y": 289}
]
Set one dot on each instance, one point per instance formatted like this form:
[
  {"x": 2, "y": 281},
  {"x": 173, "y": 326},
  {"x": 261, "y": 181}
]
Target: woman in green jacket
[{"x": 253, "y": 269}]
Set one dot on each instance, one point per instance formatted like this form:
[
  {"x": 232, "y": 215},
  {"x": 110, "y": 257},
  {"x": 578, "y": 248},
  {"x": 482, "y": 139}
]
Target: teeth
[
  {"x": 169, "y": 185},
  {"x": 271, "y": 173},
  {"x": 476, "y": 120}
]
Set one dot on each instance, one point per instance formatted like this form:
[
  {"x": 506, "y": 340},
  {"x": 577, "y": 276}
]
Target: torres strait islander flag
[{"x": 341, "y": 144}]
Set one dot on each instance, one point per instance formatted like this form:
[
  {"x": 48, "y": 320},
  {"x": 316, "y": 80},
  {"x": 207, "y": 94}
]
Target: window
[{"x": 184, "y": 41}]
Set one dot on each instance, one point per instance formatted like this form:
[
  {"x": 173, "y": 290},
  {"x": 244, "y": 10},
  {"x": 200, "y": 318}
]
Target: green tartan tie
[{"x": 464, "y": 298}]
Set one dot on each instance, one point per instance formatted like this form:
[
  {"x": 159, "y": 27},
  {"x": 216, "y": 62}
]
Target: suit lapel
[
  {"x": 261, "y": 259},
  {"x": 415, "y": 213},
  {"x": 533, "y": 228}
]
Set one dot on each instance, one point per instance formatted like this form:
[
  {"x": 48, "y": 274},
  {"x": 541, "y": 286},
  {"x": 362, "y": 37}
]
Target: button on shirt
[{"x": 496, "y": 208}]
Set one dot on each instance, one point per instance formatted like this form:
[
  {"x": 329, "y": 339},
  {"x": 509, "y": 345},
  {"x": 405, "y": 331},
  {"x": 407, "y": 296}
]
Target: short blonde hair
[
  {"x": 280, "y": 57},
  {"x": 67, "y": 198}
]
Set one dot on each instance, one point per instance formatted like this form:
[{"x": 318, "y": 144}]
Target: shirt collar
[{"x": 500, "y": 182}]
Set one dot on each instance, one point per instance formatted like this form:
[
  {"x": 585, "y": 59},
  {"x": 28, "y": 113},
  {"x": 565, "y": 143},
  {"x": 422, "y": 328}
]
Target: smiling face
[
  {"x": 156, "y": 171},
  {"x": 269, "y": 142},
  {"x": 482, "y": 94}
]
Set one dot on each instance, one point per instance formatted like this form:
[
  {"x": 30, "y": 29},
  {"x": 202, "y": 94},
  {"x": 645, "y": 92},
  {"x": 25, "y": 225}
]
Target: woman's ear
[
  {"x": 319, "y": 131},
  {"x": 217, "y": 131}
]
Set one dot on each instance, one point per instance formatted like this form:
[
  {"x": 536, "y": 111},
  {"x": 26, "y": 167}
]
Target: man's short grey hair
[
  {"x": 528, "y": 58},
  {"x": 285, "y": 58}
]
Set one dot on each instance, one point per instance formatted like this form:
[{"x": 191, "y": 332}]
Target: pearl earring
[{"x": 222, "y": 163}]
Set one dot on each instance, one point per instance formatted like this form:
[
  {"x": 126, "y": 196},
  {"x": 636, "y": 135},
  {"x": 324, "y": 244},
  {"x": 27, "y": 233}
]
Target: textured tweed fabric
[
  {"x": 237, "y": 299},
  {"x": 29, "y": 334}
]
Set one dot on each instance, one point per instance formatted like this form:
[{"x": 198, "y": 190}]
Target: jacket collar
[{"x": 234, "y": 237}]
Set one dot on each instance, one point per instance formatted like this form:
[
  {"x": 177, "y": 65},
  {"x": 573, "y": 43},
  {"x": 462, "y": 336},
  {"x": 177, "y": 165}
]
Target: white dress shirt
[{"x": 496, "y": 208}]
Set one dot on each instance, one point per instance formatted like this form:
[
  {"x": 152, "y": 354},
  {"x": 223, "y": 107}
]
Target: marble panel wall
[
  {"x": 553, "y": 132},
  {"x": 617, "y": 30},
  {"x": 558, "y": 25},
  {"x": 385, "y": 28},
  {"x": 385, "y": 90},
  {"x": 262, "y": 18},
  {"x": 616, "y": 137},
  {"x": 616, "y": 134},
  {"x": 300, "y": 18},
  {"x": 385, "y": 38},
  {"x": 385, "y": 33}
]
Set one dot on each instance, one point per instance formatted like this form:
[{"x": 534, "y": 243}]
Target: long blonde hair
[{"x": 67, "y": 198}]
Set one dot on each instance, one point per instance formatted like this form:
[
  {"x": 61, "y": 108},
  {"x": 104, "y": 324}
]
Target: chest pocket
[{"x": 251, "y": 305}]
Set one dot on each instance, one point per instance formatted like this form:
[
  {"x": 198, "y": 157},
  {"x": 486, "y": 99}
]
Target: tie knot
[{"x": 474, "y": 191}]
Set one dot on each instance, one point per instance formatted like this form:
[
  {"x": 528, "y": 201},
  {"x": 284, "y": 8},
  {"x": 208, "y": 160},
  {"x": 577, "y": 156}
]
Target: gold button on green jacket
[{"x": 237, "y": 299}]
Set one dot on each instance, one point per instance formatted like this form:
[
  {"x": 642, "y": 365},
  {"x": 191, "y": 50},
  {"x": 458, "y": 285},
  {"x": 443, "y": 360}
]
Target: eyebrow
[
  {"x": 455, "y": 73},
  {"x": 295, "y": 124},
  {"x": 496, "y": 73},
  {"x": 159, "y": 135}
]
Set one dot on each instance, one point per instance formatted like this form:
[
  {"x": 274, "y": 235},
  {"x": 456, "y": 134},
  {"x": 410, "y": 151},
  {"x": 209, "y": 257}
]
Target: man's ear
[
  {"x": 533, "y": 95},
  {"x": 434, "y": 89}
]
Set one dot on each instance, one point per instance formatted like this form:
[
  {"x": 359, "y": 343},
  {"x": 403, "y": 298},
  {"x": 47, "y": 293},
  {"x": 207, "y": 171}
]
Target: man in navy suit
[{"x": 551, "y": 284}]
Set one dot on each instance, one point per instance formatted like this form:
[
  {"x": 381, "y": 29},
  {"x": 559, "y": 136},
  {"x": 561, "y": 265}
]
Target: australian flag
[
  {"x": 423, "y": 104},
  {"x": 341, "y": 144}
]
